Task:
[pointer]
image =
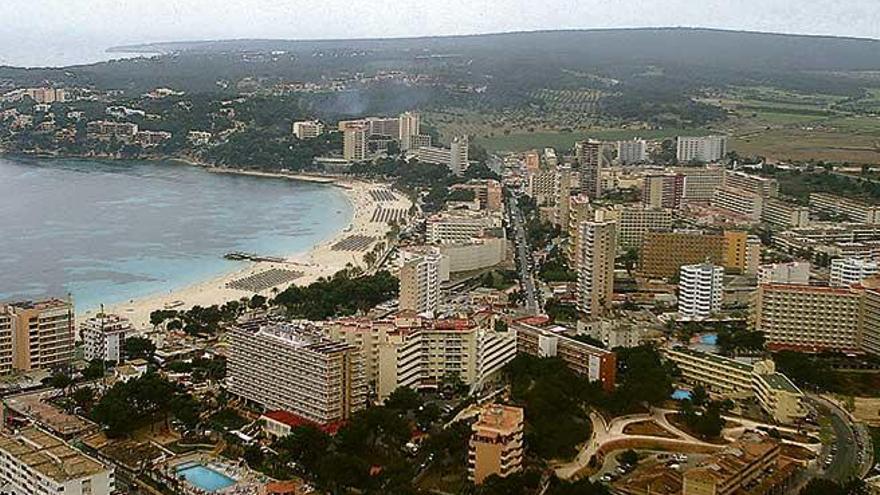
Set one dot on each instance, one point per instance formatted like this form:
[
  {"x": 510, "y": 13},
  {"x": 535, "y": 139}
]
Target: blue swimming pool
[
  {"x": 709, "y": 339},
  {"x": 204, "y": 477},
  {"x": 681, "y": 394}
]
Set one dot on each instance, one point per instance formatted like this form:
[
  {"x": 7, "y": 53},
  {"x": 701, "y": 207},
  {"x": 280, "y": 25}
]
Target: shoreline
[{"x": 317, "y": 262}]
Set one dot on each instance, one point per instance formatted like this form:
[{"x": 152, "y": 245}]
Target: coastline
[{"x": 319, "y": 261}]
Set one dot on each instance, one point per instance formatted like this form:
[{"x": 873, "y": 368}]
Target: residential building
[
  {"x": 543, "y": 187},
  {"x": 634, "y": 221},
  {"x": 663, "y": 190},
  {"x": 851, "y": 271},
  {"x": 292, "y": 367},
  {"x": 856, "y": 211},
  {"x": 409, "y": 131},
  {"x": 455, "y": 157},
  {"x": 198, "y": 138},
  {"x": 6, "y": 349},
  {"x": 104, "y": 129},
  {"x": 762, "y": 186},
  {"x": 33, "y": 462},
  {"x": 700, "y": 183},
  {"x": 460, "y": 226},
  {"x": 700, "y": 149},
  {"x": 809, "y": 318},
  {"x": 700, "y": 289},
  {"x": 598, "y": 245},
  {"x": 664, "y": 253},
  {"x": 580, "y": 210},
  {"x": 591, "y": 158},
  {"x": 478, "y": 254},
  {"x": 781, "y": 214},
  {"x": 793, "y": 273},
  {"x": 632, "y": 152},
  {"x": 488, "y": 192},
  {"x": 103, "y": 337},
  {"x": 420, "y": 283},
  {"x": 42, "y": 335},
  {"x": 496, "y": 444},
  {"x": 149, "y": 139},
  {"x": 355, "y": 146},
  {"x": 741, "y": 202},
  {"x": 752, "y": 465},
  {"x": 532, "y": 161},
  {"x": 307, "y": 129},
  {"x": 594, "y": 363},
  {"x": 729, "y": 378}
]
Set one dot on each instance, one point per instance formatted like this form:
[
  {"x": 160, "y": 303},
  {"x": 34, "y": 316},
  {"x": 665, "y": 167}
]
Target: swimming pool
[
  {"x": 709, "y": 339},
  {"x": 681, "y": 394},
  {"x": 204, "y": 477}
]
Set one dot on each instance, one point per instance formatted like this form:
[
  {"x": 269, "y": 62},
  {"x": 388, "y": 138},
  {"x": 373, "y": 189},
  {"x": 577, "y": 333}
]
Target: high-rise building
[
  {"x": 460, "y": 226},
  {"x": 763, "y": 186},
  {"x": 34, "y": 462},
  {"x": 566, "y": 179},
  {"x": 741, "y": 202},
  {"x": 104, "y": 336},
  {"x": 308, "y": 129},
  {"x": 701, "y": 149},
  {"x": 420, "y": 283},
  {"x": 543, "y": 187},
  {"x": 663, "y": 191},
  {"x": 355, "y": 146},
  {"x": 6, "y": 350},
  {"x": 664, "y": 253},
  {"x": 634, "y": 221},
  {"x": 700, "y": 289},
  {"x": 632, "y": 152},
  {"x": 785, "y": 215},
  {"x": 580, "y": 211},
  {"x": 532, "y": 161},
  {"x": 293, "y": 368},
  {"x": 496, "y": 444},
  {"x": 856, "y": 211},
  {"x": 410, "y": 129},
  {"x": 591, "y": 158},
  {"x": 849, "y": 271},
  {"x": 598, "y": 249},
  {"x": 42, "y": 334},
  {"x": 700, "y": 183},
  {"x": 455, "y": 157}
]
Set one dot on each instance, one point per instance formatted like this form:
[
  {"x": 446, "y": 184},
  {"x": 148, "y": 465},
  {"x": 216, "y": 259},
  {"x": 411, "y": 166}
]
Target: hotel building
[
  {"x": 700, "y": 183},
  {"x": 663, "y": 191},
  {"x": 782, "y": 214},
  {"x": 104, "y": 336},
  {"x": 795, "y": 272},
  {"x": 594, "y": 363},
  {"x": 850, "y": 271},
  {"x": 496, "y": 444},
  {"x": 595, "y": 268},
  {"x": 307, "y": 129},
  {"x": 409, "y": 130},
  {"x": 857, "y": 211},
  {"x": 751, "y": 465},
  {"x": 632, "y": 152},
  {"x": 700, "y": 290},
  {"x": 762, "y": 186},
  {"x": 740, "y": 202},
  {"x": 420, "y": 278},
  {"x": 664, "y": 253},
  {"x": 34, "y": 462},
  {"x": 355, "y": 146},
  {"x": 700, "y": 149},
  {"x": 460, "y": 226},
  {"x": 633, "y": 222},
  {"x": 293, "y": 368},
  {"x": 455, "y": 158},
  {"x": 36, "y": 335}
]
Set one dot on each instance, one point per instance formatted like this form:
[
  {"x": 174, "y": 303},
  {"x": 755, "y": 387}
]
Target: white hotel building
[
  {"x": 33, "y": 462},
  {"x": 849, "y": 271},
  {"x": 700, "y": 290},
  {"x": 104, "y": 336}
]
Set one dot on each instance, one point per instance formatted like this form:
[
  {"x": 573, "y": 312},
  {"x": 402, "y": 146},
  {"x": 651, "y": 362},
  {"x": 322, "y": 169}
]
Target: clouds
[{"x": 108, "y": 22}]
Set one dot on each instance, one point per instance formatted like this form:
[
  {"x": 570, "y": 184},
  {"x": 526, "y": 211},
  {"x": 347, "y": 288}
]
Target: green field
[{"x": 516, "y": 142}]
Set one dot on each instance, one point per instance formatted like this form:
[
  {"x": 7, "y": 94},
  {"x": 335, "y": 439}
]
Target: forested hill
[{"x": 686, "y": 46}]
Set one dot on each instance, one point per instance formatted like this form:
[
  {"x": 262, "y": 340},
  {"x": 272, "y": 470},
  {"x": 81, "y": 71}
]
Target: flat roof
[
  {"x": 779, "y": 381},
  {"x": 501, "y": 419},
  {"x": 715, "y": 358},
  {"x": 49, "y": 455}
]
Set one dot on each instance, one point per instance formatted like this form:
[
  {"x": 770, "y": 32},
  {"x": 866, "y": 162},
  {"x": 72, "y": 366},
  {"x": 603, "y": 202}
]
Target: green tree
[{"x": 139, "y": 348}]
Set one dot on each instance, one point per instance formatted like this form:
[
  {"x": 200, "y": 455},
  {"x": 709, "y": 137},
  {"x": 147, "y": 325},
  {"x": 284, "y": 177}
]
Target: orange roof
[{"x": 294, "y": 420}]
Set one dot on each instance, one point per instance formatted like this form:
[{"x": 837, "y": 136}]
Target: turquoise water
[
  {"x": 681, "y": 394},
  {"x": 709, "y": 339},
  {"x": 110, "y": 231},
  {"x": 205, "y": 478}
]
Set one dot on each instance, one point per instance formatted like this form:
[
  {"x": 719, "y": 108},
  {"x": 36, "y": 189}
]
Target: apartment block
[
  {"x": 850, "y": 271},
  {"x": 762, "y": 186},
  {"x": 728, "y": 378},
  {"x": 664, "y": 253},
  {"x": 409, "y": 130},
  {"x": 292, "y": 367},
  {"x": 700, "y": 290},
  {"x": 6, "y": 349},
  {"x": 460, "y": 226},
  {"x": 103, "y": 337},
  {"x": 782, "y": 214},
  {"x": 496, "y": 444},
  {"x": 857, "y": 211},
  {"x": 632, "y": 152},
  {"x": 594, "y": 363},
  {"x": 591, "y": 156},
  {"x": 34, "y": 462},
  {"x": 700, "y": 183},
  {"x": 420, "y": 282},
  {"x": 307, "y": 129},
  {"x": 595, "y": 268},
  {"x": 663, "y": 190},
  {"x": 103, "y": 129},
  {"x": 633, "y": 222},
  {"x": 741, "y": 202},
  {"x": 795, "y": 272},
  {"x": 487, "y": 192},
  {"x": 42, "y": 334},
  {"x": 809, "y": 318},
  {"x": 700, "y": 149},
  {"x": 580, "y": 210},
  {"x": 355, "y": 146},
  {"x": 455, "y": 157},
  {"x": 543, "y": 187}
]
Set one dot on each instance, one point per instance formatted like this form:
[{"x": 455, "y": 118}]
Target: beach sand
[{"x": 320, "y": 261}]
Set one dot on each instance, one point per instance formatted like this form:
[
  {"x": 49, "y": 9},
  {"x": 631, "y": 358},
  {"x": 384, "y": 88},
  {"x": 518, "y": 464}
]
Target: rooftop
[
  {"x": 499, "y": 419},
  {"x": 779, "y": 381},
  {"x": 715, "y": 358},
  {"x": 49, "y": 455},
  {"x": 293, "y": 420}
]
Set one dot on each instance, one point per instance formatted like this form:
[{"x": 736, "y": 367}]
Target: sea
[{"x": 105, "y": 232}]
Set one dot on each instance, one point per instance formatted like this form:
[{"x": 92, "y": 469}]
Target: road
[
  {"x": 523, "y": 256},
  {"x": 851, "y": 450}
]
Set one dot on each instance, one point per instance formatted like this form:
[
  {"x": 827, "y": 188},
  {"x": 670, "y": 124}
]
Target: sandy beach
[{"x": 318, "y": 262}]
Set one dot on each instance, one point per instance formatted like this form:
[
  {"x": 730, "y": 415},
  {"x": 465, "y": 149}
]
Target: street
[{"x": 523, "y": 256}]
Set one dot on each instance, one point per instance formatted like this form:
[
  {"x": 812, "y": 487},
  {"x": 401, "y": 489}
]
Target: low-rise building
[
  {"x": 752, "y": 465},
  {"x": 594, "y": 363},
  {"x": 496, "y": 444},
  {"x": 307, "y": 129},
  {"x": 795, "y": 272}
]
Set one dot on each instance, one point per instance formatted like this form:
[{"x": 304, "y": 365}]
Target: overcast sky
[{"x": 40, "y": 32}]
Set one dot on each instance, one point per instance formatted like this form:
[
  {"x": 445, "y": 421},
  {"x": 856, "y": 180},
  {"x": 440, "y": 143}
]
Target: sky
[{"x": 56, "y": 32}]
